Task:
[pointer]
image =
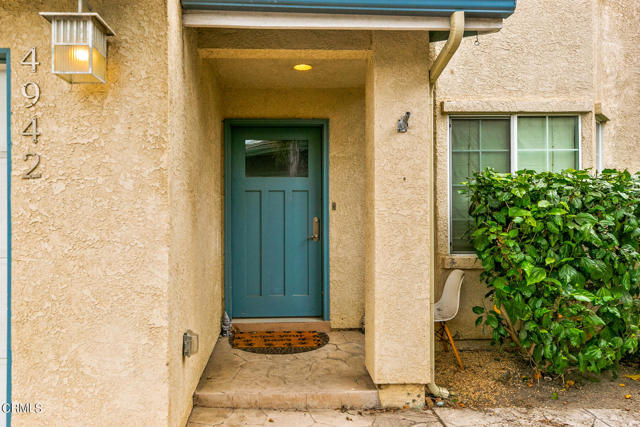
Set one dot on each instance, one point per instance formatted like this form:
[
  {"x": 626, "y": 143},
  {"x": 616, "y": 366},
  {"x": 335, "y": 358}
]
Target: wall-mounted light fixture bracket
[{"x": 403, "y": 123}]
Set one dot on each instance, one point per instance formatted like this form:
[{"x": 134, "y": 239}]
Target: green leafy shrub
[{"x": 561, "y": 260}]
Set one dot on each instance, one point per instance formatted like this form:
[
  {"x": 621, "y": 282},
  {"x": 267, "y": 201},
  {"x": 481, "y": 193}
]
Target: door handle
[{"x": 316, "y": 230}]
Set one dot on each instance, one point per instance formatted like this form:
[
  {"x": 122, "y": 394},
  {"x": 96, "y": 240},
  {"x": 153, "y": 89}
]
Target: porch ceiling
[{"x": 278, "y": 73}]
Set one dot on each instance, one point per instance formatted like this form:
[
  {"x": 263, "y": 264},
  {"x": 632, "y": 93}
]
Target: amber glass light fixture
[{"x": 79, "y": 46}]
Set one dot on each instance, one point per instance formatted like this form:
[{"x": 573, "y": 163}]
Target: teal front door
[{"x": 276, "y": 208}]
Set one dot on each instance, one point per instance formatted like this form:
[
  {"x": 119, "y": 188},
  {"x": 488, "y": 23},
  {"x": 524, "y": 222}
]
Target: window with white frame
[{"x": 506, "y": 144}]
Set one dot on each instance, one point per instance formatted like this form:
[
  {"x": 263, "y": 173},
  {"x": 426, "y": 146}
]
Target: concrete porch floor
[{"x": 333, "y": 376}]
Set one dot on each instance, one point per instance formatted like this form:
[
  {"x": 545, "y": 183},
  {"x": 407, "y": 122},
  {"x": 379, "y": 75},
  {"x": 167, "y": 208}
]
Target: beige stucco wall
[
  {"x": 90, "y": 238},
  {"x": 398, "y": 339},
  {"x": 196, "y": 220},
  {"x": 548, "y": 58},
  {"x": 345, "y": 110},
  {"x": 618, "y": 81}
]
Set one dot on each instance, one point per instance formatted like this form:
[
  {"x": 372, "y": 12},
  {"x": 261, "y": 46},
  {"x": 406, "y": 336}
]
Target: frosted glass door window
[{"x": 276, "y": 158}]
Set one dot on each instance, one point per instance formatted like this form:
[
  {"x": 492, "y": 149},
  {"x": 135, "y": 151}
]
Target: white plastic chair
[{"x": 447, "y": 308}]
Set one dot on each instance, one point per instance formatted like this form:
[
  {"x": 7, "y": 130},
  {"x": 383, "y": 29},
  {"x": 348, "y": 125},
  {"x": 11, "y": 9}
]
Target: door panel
[
  {"x": 276, "y": 191},
  {"x": 299, "y": 253},
  {"x": 274, "y": 245},
  {"x": 252, "y": 248}
]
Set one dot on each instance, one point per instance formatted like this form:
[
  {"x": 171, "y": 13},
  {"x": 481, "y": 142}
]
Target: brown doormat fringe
[{"x": 278, "y": 342}]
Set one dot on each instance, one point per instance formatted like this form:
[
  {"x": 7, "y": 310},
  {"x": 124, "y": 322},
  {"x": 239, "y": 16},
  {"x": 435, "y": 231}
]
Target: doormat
[{"x": 278, "y": 342}]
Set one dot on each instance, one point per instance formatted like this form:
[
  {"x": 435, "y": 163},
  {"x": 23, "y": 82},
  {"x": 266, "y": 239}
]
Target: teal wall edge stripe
[
  {"x": 5, "y": 56},
  {"x": 227, "y": 219},
  {"x": 478, "y": 8},
  {"x": 326, "y": 314},
  {"x": 228, "y": 125}
]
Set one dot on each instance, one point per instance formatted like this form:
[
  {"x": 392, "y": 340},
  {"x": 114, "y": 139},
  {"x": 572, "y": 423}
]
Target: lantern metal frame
[{"x": 95, "y": 38}]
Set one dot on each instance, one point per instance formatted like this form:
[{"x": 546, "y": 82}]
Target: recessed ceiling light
[{"x": 302, "y": 67}]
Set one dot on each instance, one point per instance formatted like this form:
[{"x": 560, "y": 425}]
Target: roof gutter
[
  {"x": 327, "y": 21},
  {"x": 453, "y": 43},
  {"x": 475, "y": 8}
]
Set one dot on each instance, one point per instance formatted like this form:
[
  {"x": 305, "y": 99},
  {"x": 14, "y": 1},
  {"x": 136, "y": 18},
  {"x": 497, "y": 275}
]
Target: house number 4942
[{"x": 31, "y": 93}]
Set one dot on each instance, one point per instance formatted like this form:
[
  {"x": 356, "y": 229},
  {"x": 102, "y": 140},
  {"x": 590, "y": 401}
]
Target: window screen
[{"x": 548, "y": 143}]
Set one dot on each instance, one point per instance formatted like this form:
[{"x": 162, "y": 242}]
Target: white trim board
[
  {"x": 326, "y": 21},
  {"x": 558, "y": 106}
]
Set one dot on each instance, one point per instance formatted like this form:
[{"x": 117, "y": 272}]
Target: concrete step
[
  {"x": 360, "y": 399},
  {"x": 330, "y": 377}
]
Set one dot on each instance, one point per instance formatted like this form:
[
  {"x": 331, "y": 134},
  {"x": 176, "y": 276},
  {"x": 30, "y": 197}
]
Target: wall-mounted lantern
[{"x": 79, "y": 45}]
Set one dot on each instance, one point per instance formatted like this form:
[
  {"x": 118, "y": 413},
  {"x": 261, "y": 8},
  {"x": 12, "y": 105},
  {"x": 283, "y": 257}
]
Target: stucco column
[{"x": 399, "y": 208}]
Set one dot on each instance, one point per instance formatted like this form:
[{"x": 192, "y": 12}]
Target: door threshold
[
  {"x": 277, "y": 319},
  {"x": 281, "y": 324}
]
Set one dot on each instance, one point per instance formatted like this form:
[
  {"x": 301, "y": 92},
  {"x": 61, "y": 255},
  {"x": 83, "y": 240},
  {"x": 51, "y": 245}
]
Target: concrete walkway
[{"x": 202, "y": 417}]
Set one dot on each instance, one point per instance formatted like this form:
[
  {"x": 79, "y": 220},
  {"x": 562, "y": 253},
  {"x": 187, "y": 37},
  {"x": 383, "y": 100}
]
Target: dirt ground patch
[{"x": 495, "y": 378}]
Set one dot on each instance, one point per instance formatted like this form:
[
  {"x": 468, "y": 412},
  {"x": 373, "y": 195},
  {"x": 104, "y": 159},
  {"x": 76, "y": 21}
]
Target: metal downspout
[
  {"x": 453, "y": 43},
  {"x": 456, "y": 32}
]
